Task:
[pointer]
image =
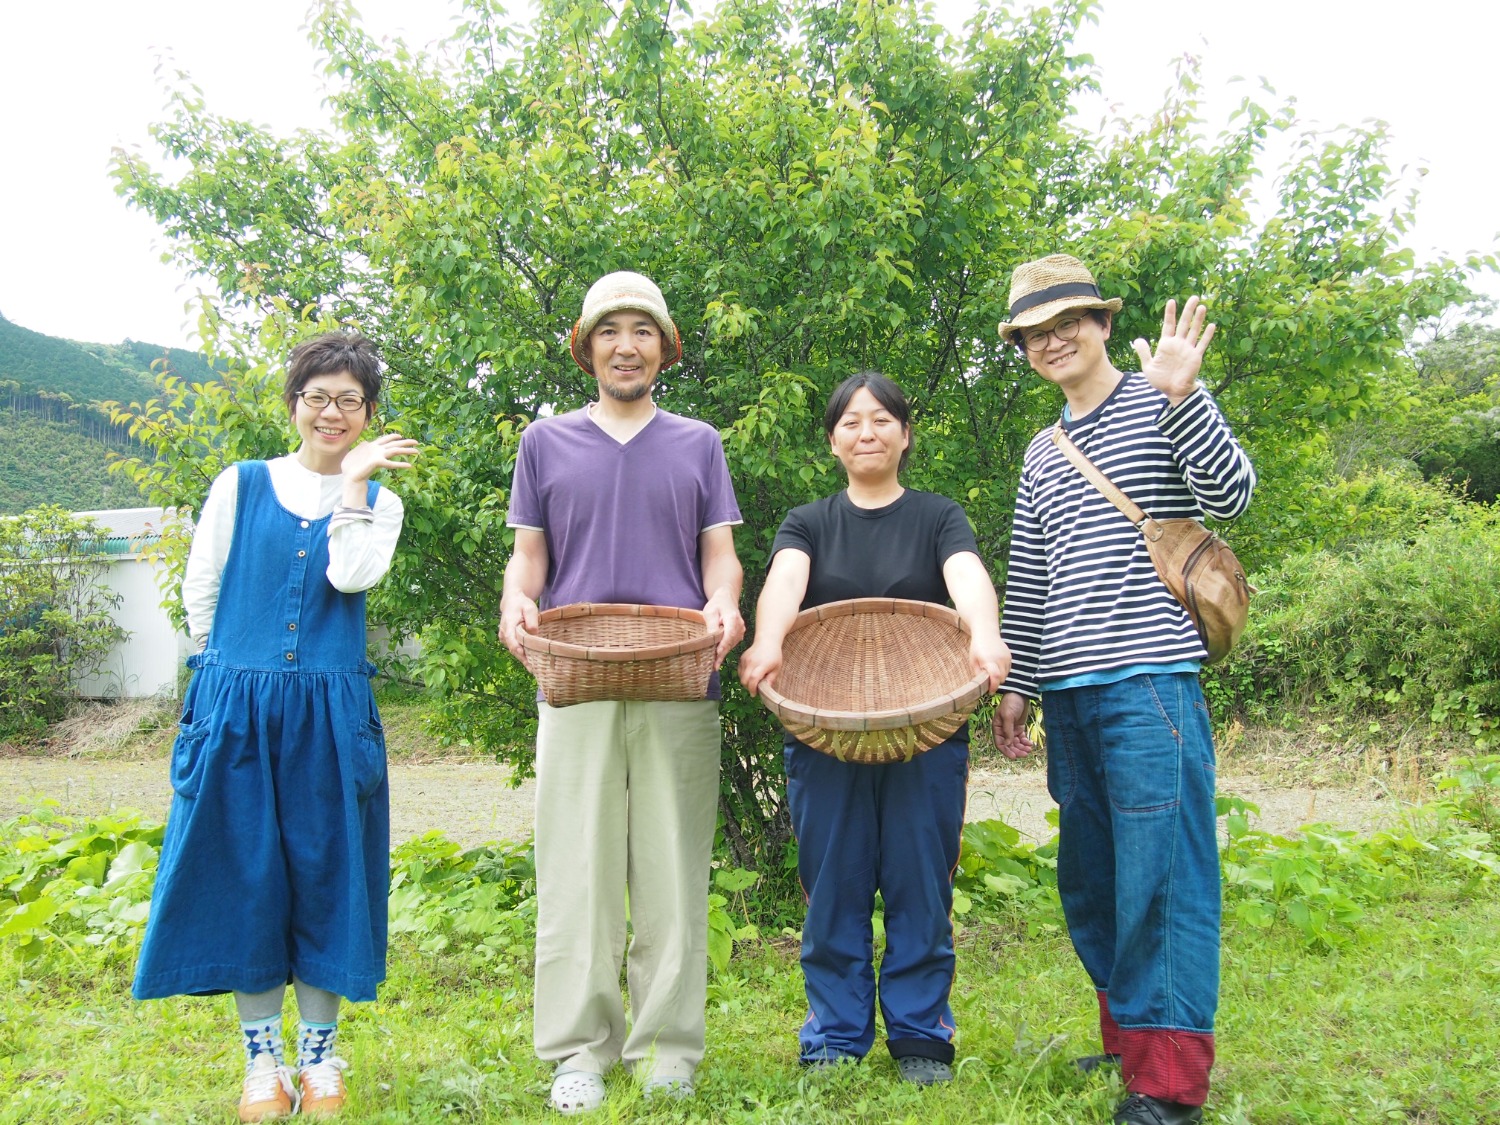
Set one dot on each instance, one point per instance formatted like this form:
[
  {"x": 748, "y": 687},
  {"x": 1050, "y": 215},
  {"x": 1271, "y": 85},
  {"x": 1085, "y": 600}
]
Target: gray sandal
[{"x": 922, "y": 1071}]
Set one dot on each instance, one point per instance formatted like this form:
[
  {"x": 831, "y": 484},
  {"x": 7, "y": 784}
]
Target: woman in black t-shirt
[{"x": 867, "y": 828}]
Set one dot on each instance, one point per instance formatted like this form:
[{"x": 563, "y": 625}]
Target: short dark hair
[
  {"x": 1101, "y": 316},
  {"x": 886, "y": 392},
  {"x": 334, "y": 353}
]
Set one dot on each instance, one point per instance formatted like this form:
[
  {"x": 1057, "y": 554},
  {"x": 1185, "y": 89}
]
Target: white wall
[{"x": 147, "y": 662}]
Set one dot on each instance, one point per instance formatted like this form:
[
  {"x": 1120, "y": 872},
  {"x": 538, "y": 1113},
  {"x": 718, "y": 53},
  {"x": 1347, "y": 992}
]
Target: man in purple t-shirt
[{"x": 623, "y": 502}]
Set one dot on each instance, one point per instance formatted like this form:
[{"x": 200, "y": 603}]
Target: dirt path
[{"x": 473, "y": 802}]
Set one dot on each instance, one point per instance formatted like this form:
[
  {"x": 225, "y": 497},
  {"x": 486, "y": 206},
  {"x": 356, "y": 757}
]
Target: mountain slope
[
  {"x": 43, "y": 462},
  {"x": 54, "y": 443},
  {"x": 46, "y": 363}
]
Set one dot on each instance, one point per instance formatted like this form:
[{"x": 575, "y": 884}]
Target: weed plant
[
  {"x": 1407, "y": 624},
  {"x": 1361, "y": 979}
]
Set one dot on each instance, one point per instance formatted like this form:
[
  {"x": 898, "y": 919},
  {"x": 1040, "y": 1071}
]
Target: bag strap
[{"x": 1143, "y": 523}]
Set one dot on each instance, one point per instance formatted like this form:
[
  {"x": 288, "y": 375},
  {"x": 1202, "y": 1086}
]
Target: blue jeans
[{"x": 1131, "y": 766}]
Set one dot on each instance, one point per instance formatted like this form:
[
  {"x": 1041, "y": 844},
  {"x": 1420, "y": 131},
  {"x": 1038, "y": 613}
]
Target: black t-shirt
[{"x": 897, "y": 551}]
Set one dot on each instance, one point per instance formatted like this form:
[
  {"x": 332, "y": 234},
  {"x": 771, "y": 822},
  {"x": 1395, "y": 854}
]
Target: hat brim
[
  {"x": 1043, "y": 313},
  {"x": 671, "y": 350}
]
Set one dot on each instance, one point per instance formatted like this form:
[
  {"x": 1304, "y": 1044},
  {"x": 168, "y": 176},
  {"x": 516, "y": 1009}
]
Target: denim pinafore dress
[{"x": 277, "y": 851}]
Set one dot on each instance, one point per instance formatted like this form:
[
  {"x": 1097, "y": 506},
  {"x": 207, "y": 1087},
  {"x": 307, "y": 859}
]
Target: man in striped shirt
[{"x": 1114, "y": 658}]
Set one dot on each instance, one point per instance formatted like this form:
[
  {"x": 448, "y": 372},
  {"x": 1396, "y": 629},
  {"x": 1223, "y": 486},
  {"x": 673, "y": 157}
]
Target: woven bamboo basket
[
  {"x": 875, "y": 680},
  {"x": 588, "y": 651}
]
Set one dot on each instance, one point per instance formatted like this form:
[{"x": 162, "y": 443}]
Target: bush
[
  {"x": 71, "y": 884},
  {"x": 1468, "y": 453},
  {"x": 1413, "y": 624},
  {"x": 1302, "y": 503},
  {"x": 55, "y": 620}
]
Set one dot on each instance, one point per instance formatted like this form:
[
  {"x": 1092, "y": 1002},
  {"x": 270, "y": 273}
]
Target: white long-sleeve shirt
[{"x": 359, "y": 551}]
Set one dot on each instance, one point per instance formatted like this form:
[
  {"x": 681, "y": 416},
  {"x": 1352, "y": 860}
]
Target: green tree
[
  {"x": 818, "y": 187},
  {"x": 1454, "y": 423},
  {"x": 44, "y": 462},
  {"x": 55, "y": 621}
]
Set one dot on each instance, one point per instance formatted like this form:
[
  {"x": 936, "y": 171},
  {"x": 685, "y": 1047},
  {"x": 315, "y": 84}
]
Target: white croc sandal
[
  {"x": 669, "y": 1087},
  {"x": 577, "y": 1091}
]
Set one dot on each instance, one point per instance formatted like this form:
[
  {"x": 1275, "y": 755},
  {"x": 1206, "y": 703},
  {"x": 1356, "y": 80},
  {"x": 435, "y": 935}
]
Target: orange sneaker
[
  {"x": 323, "y": 1091},
  {"x": 269, "y": 1092}
]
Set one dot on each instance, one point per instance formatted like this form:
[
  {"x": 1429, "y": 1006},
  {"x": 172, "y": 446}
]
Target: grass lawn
[{"x": 1402, "y": 1024}]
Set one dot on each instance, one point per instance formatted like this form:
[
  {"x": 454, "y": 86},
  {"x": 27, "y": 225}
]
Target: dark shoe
[
  {"x": 1090, "y": 1063},
  {"x": 921, "y": 1071},
  {"x": 1143, "y": 1109}
]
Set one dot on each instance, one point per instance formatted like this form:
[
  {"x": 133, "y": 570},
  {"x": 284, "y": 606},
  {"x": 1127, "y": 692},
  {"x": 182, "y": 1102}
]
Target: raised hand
[
  {"x": 1173, "y": 370},
  {"x": 361, "y": 462}
]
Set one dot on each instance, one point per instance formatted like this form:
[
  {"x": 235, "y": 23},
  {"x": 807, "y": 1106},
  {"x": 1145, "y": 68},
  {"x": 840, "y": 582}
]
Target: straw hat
[
  {"x": 624, "y": 290},
  {"x": 1049, "y": 287}
]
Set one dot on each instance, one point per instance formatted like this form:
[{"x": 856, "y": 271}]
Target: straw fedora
[
  {"x": 1050, "y": 286},
  {"x": 613, "y": 293}
]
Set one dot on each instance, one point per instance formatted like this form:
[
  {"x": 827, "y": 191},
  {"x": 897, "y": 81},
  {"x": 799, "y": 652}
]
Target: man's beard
[{"x": 624, "y": 394}]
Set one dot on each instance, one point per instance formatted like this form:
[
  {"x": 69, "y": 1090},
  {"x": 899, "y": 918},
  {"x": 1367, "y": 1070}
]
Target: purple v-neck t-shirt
[{"x": 622, "y": 520}]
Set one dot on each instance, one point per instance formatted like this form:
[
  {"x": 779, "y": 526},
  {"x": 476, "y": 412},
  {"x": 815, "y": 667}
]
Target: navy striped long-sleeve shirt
[{"x": 1081, "y": 596}]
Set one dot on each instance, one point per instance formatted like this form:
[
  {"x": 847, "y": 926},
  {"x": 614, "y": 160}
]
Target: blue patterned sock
[
  {"x": 315, "y": 1042},
  {"x": 262, "y": 1037}
]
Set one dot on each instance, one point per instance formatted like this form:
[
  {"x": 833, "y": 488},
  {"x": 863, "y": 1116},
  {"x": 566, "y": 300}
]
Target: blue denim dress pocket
[
  {"x": 369, "y": 758},
  {"x": 188, "y": 756}
]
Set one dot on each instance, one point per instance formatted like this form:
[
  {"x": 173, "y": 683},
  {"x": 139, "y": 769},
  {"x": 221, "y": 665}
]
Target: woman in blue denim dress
[{"x": 275, "y": 865}]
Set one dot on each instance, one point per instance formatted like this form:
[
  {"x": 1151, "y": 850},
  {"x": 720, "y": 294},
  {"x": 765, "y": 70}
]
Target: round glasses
[
  {"x": 318, "y": 400},
  {"x": 1036, "y": 339}
]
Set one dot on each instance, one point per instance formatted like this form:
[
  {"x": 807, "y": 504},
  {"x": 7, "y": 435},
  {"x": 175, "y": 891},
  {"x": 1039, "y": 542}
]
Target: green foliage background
[
  {"x": 817, "y": 188},
  {"x": 56, "y": 624}
]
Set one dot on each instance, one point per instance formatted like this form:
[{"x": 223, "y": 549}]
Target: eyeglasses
[
  {"x": 1036, "y": 339},
  {"x": 318, "y": 400}
]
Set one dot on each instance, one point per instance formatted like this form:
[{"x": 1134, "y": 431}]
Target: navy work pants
[{"x": 889, "y": 828}]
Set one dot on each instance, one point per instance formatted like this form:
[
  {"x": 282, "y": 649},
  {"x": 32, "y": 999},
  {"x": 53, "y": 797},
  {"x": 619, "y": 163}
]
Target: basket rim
[
  {"x": 532, "y": 642},
  {"x": 963, "y": 699}
]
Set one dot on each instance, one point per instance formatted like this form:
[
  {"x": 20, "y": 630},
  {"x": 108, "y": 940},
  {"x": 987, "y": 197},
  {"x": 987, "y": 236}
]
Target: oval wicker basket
[
  {"x": 590, "y": 651},
  {"x": 875, "y": 680}
]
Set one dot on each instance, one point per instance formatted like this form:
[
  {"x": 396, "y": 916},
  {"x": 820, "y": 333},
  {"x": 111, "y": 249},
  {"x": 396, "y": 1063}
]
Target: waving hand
[{"x": 1173, "y": 370}]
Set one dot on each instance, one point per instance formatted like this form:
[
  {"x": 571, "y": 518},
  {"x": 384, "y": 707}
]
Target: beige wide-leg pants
[{"x": 626, "y": 796}]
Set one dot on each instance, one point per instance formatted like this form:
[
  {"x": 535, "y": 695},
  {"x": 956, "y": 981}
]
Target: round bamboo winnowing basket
[
  {"x": 875, "y": 680},
  {"x": 590, "y": 651}
]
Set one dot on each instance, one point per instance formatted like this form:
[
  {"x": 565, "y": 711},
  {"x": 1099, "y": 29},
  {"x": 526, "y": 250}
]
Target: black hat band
[{"x": 1053, "y": 293}]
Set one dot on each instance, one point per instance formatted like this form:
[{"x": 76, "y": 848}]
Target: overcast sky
[{"x": 78, "y": 79}]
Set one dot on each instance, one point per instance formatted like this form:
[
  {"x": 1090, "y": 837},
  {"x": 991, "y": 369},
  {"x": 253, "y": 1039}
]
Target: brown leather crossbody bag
[{"x": 1196, "y": 565}]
